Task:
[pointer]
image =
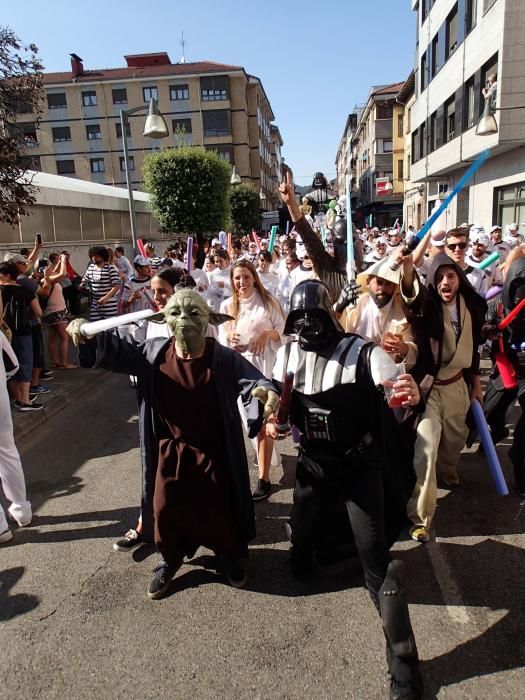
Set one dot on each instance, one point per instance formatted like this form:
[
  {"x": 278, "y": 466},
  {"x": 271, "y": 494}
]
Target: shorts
[
  {"x": 55, "y": 317},
  {"x": 23, "y": 348},
  {"x": 38, "y": 346}
]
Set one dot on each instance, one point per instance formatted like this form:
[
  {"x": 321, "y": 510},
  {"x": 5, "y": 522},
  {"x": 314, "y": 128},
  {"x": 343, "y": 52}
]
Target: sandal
[
  {"x": 419, "y": 533},
  {"x": 68, "y": 366}
]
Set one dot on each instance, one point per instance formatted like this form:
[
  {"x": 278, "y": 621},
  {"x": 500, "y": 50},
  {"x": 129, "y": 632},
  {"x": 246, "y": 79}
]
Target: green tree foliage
[
  {"x": 244, "y": 204},
  {"x": 21, "y": 98},
  {"x": 189, "y": 189}
]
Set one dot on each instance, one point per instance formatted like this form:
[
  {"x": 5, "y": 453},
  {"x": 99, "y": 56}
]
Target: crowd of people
[{"x": 390, "y": 360}]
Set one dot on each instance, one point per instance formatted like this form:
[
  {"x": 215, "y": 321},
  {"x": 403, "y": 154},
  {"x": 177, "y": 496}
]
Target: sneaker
[
  {"x": 6, "y": 536},
  {"x": 236, "y": 573},
  {"x": 38, "y": 389},
  {"x": 161, "y": 580},
  {"x": 131, "y": 539},
  {"x": 419, "y": 533},
  {"x": 26, "y": 407},
  {"x": 47, "y": 375},
  {"x": 262, "y": 491}
]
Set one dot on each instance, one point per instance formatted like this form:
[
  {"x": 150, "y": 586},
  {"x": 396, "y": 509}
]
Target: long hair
[{"x": 268, "y": 300}]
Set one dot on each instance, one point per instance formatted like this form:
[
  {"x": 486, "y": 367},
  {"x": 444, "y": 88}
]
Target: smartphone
[{"x": 39, "y": 238}]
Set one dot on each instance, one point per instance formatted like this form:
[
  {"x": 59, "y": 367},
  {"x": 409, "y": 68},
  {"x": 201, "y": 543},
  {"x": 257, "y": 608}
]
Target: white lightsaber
[{"x": 107, "y": 324}]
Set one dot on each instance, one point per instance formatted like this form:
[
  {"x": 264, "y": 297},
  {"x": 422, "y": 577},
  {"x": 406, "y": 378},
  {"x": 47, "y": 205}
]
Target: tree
[
  {"x": 21, "y": 92},
  {"x": 244, "y": 204},
  {"x": 189, "y": 189}
]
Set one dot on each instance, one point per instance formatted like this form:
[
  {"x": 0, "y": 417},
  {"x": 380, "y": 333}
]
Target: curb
[{"x": 67, "y": 392}]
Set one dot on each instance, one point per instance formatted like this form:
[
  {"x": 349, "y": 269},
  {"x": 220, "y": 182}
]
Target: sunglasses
[{"x": 453, "y": 246}]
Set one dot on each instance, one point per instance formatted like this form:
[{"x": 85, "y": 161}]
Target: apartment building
[
  {"x": 414, "y": 194},
  {"x": 208, "y": 104},
  {"x": 345, "y": 162},
  {"x": 460, "y": 43},
  {"x": 380, "y": 191}
]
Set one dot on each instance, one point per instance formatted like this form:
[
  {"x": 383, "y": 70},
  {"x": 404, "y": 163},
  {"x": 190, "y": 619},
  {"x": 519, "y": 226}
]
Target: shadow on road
[{"x": 18, "y": 604}]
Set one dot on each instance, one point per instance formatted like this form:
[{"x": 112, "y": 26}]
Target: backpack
[{"x": 16, "y": 314}]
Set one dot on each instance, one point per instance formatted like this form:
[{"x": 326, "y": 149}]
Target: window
[
  {"x": 29, "y": 134},
  {"x": 449, "y": 131},
  {"x": 451, "y": 33},
  {"x": 415, "y": 146},
  {"x": 22, "y": 107},
  {"x": 387, "y": 146},
  {"x": 224, "y": 151},
  {"x": 57, "y": 100},
  {"x": 150, "y": 93},
  {"x": 131, "y": 163},
  {"x": 181, "y": 125},
  {"x": 424, "y": 68},
  {"x": 97, "y": 165},
  {"x": 216, "y": 122},
  {"x": 435, "y": 54},
  {"x": 487, "y": 4},
  {"x": 89, "y": 98},
  {"x": 400, "y": 169},
  {"x": 179, "y": 92},
  {"x": 31, "y": 163},
  {"x": 400, "y": 125},
  {"x": 120, "y": 96},
  {"x": 384, "y": 111},
  {"x": 489, "y": 68},
  {"x": 510, "y": 203},
  {"x": 61, "y": 133},
  {"x": 65, "y": 167},
  {"x": 433, "y": 132},
  {"x": 93, "y": 132},
  {"x": 423, "y": 140},
  {"x": 472, "y": 13},
  {"x": 469, "y": 104},
  {"x": 118, "y": 129},
  {"x": 215, "y": 88}
]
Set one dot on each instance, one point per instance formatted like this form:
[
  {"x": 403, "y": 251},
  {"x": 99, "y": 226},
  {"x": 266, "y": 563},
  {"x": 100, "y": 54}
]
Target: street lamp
[
  {"x": 488, "y": 125},
  {"x": 154, "y": 128},
  {"x": 262, "y": 196},
  {"x": 235, "y": 178}
]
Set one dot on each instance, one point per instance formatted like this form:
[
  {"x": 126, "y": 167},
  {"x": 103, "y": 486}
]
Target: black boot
[{"x": 406, "y": 682}]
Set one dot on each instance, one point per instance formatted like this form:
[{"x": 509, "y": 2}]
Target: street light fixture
[
  {"x": 154, "y": 128},
  {"x": 488, "y": 125},
  {"x": 262, "y": 196},
  {"x": 235, "y": 178}
]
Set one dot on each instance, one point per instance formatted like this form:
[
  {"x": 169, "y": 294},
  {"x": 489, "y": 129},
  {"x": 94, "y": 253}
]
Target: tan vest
[{"x": 456, "y": 355}]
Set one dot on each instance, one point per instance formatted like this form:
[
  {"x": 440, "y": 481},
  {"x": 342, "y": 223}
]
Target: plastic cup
[{"x": 390, "y": 373}]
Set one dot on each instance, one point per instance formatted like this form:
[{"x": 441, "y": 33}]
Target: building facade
[
  {"x": 460, "y": 43},
  {"x": 380, "y": 191},
  {"x": 208, "y": 104}
]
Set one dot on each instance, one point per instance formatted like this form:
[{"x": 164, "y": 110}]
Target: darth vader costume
[
  {"x": 499, "y": 399},
  {"x": 351, "y": 449}
]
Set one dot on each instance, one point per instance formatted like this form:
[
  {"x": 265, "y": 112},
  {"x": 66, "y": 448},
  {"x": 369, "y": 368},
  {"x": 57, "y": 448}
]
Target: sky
[{"x": 316, "y": 59}]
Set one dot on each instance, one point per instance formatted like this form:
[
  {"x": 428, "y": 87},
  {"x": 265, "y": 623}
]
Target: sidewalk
[{"x": 66, "y": 388}]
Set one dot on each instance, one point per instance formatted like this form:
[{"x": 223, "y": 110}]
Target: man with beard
[
  {"x": 451, "y": 314},
  {"x": 380, "y": 314},
  {"x": 352, "y": 452}
]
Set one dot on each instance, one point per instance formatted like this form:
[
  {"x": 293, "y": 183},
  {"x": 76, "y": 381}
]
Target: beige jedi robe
[
  {"x": 370, "y": 322},
  {"x": 442, "y": 431}
]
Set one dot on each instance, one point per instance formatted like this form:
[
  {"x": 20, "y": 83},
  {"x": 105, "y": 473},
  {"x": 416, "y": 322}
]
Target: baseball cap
[
  {"x": 495, "y": 228},
  {"x": 439, "y": 240},
  {"x": 513, "y": 227},
  {"x": 141, "y": 260},
  {"x": 15, "y": 257}
]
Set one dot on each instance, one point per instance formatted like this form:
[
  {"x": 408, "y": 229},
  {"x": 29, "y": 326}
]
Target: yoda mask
[{"x": 187, "y": 316}]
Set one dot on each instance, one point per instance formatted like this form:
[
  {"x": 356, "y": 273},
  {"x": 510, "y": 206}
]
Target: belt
[{"x": 452, "y": 380}]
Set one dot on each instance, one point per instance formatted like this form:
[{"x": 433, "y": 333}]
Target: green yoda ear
[
  {"x": 216, "y": 319},
  {"x": 158, "y": 318}
]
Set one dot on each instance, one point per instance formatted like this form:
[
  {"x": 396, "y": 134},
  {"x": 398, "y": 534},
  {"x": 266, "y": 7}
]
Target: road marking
[{"x": 447, "y": 585}]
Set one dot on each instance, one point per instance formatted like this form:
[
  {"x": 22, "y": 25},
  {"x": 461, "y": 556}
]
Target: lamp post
[
  {"x": 488, "y": 125},
  {"x": 155, "y": 128}
]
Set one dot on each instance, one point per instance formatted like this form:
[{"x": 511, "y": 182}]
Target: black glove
[{"x": 348, "y": 297}]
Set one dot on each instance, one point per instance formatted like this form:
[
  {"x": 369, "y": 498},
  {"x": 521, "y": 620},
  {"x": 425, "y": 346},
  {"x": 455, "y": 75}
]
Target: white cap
[
  {"x": 495, "y": 228},
  {"x": 513, "y": 227},
  {"x": 475, "y": 230}
]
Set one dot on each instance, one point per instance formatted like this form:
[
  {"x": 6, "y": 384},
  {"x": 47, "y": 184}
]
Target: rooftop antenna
[{"x": 183, "y": 44}]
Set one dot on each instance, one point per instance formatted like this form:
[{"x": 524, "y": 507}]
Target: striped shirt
[{"x": 99, "y": 281}]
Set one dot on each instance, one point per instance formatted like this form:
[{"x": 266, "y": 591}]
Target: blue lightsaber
[
  {"x": 476, "y": 165},
  {"x": 490, "y": 450}
]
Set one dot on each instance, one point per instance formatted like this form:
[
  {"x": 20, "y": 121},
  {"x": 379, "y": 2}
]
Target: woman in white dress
[{"x": 256, "y": 333}]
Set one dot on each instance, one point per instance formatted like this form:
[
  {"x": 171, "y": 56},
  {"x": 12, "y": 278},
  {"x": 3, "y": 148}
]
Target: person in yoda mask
[{"x": 199, "y": 491}]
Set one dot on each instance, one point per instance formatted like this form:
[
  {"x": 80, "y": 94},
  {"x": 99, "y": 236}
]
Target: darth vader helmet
[
  {"x": 339, "y": 242},
  {"x": 311, "y": 316}
]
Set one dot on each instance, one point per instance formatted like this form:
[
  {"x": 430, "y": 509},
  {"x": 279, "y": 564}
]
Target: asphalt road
[{"x": 75, "y": 621}]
